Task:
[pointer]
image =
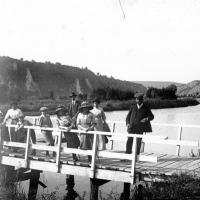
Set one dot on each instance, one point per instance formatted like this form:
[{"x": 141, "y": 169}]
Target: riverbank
[
  {"x": 32, "y": 107},
  {"x": 153, "y": 104}
]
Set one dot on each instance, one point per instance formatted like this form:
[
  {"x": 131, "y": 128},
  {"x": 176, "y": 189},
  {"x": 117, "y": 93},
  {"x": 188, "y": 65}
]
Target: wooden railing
[
  {"x": 95, "y": 153},
  {"x": 172, "y": 142}
]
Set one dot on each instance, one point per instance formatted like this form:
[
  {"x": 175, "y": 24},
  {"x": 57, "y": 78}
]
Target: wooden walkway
[
  {"x": 106, "y": 165},
  {"x": 106, "y": 168}
]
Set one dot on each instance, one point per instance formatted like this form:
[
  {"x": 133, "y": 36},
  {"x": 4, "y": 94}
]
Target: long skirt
[
  {"x": 86, "y": 141},
  {"x": 72, "y": 140}
]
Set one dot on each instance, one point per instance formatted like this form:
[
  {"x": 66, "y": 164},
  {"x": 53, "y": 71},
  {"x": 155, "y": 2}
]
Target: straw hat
[
  {"x": 85, "y": 104},
  {"x": 60, "y": 108},
  {"x": 42, "y": 109}
]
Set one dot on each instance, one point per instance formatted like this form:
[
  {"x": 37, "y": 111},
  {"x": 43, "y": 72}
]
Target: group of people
[
  {"x": 82, "y": 116},
  {"x": 76, "y": 115}
]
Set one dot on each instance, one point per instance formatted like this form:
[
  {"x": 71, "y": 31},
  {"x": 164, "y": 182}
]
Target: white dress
[{"x": 99, "y": 120}]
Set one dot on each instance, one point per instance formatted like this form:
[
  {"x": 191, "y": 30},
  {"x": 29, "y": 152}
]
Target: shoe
[
  {"x": 124, "y": 160},
  {"x": 75, "y": 158},
  {"x": 47, "y": 154},
  {"x": 33, "y": 153},
  {"x": 54, "y": 154}
]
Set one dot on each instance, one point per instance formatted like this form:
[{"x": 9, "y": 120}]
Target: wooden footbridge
[{"x": 106, "y": 165}]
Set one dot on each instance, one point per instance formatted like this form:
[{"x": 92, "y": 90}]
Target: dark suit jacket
[
  {"x": 135, "y": 116},
  {"x": 73, "y": 109}
]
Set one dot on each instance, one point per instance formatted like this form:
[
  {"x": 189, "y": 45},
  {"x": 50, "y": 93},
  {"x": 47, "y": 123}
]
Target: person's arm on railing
[{"x": 128, "y": 118}]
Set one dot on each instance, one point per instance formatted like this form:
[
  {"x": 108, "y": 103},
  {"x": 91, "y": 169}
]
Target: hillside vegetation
[
  {"x": 32, "y": 80},
  {"x": 157, "y": 84},
  {"x": 189, "y": 89}
]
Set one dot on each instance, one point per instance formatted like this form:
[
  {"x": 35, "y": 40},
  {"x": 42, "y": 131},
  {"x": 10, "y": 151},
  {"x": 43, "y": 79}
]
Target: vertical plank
[
  {"x": 58, "y": 152},
  {"x": 94, "y": 189},
  {"x": 94, "y": 154},
  {"x": 27, "y": 147},
  {"x": 1, "y": 140},
  {"x": 134, "y": 158},
  {"x": 113, "y": 130},
  {"x": 178, "y": 138},
  {"x": 33, "y": 185},
  {"x": 9, "y": 131}
]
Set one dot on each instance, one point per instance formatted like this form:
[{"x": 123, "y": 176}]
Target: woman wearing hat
[
  {"x": 65, "y": 122},
  {"x": 13, "y": 113},
  {"x": 100, "y": 120},
  {"x": 86, "y": 122}
]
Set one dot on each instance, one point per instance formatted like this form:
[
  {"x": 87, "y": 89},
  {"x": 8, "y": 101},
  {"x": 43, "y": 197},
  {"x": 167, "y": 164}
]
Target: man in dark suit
[
  {"x": 73, "y": 106},
  {"x": 138, "y": 121}
]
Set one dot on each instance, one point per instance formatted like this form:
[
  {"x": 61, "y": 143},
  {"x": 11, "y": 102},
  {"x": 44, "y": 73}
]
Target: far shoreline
[{"x": 30, "y": 107}]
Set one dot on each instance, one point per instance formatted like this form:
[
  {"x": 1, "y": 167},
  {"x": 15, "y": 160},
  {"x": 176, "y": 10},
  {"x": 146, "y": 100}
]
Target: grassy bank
[
  {"x": 32, "y": 107},
  {"x": 153, "y": 104},
  {"x": 175, "y": 187}
]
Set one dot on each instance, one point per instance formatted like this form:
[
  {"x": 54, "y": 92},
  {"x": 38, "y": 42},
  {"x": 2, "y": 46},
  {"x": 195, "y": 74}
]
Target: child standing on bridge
[{"x": 45, "y": 121}]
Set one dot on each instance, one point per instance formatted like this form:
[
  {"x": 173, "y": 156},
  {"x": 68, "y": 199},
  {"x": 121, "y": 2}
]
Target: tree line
[
  {"x": 108, "y": 93},
  {"x": 163, "y": 93}
]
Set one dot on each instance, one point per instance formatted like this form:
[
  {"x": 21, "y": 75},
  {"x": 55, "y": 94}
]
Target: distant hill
[
  {"x": 157, "y": 84},
  {"x": 189, "y": 89},
  {"x": 30, "y": 79}
]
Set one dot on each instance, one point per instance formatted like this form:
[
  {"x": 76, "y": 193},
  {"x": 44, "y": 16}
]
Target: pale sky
[{"x": 157, "y": 40}]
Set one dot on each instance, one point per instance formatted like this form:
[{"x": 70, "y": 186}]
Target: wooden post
[
  {"x": 71, "y": 193},
  {"x": 1, "y": 140},
  {"x": 94, "y": 154},
  {"x": 33, "y": 186},
  {"x": 126, "y": 192},
  {"x": 134, "y": 158},
  {"x": 58, "y": 151},
  {"x": 27, "y": 148},
  {"x": 178, "y": 138},
  {"x": 10, "y": 135},
  {"x": 113, "y": 130},
  {"x": 94, "y": 189}
]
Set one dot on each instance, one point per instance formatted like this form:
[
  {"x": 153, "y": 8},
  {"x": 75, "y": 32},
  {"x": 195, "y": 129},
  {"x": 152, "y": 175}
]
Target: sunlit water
[{"x": 187, "y": 115}]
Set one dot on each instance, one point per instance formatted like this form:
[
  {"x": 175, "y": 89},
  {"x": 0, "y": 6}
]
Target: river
[{"x": 187, "y": 115}]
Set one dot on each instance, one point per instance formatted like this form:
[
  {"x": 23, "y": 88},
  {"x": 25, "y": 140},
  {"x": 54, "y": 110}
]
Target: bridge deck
[{"x": 106, "y": 168}]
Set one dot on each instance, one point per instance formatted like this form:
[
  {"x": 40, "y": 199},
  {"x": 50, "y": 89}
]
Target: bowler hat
[
  {"x": 73, "y": 95},
  {"x": 139, "y": 95},
  {"x": 42, "y": 109},
  {"x": 96, "y": 100}
]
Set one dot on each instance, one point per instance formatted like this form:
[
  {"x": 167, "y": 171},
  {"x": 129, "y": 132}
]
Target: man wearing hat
[
  {"x": 73, "y": 106},
  {"x": 138, "y": 121}
]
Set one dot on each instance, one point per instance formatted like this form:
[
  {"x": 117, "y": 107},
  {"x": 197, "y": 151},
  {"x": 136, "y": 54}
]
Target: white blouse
[{"x": 13, "y": 114}]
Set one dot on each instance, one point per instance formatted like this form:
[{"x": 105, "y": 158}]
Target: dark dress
[{"x": 71, "y": 138}]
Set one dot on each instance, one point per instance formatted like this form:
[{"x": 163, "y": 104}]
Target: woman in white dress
[{"x": 99, "y": 120}]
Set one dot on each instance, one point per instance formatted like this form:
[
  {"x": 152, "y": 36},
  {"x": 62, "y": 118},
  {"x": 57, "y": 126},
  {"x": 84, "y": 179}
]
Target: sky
[{"x": 154, "y": 40}]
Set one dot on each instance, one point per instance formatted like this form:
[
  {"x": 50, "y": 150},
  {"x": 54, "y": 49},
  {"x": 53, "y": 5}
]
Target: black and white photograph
[{"x": 99, "y": 99}]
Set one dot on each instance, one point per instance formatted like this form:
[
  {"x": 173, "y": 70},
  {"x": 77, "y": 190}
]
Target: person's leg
[
  {"x": 129, "y": 145},
  {"x": 47, "y": 139},
  {"x": 139, "y": 143},
  {"x": 33, "y": 139}
]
